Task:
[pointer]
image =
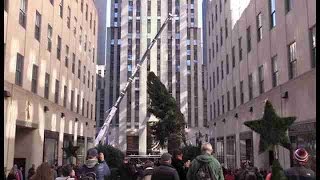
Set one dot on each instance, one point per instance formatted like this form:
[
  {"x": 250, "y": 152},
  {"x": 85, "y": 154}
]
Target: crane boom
[{"x": 105, "y": 127}]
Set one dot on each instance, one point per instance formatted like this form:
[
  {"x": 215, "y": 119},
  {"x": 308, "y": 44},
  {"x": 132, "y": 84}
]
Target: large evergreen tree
[{"x": 171, "y": 125}]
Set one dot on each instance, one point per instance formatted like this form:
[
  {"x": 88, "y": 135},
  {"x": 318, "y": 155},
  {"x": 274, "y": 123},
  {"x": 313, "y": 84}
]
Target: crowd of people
[{"x": 203, "y": 167}]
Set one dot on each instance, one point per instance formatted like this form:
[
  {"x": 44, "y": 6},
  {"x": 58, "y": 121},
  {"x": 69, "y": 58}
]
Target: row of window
[{"x": 34, "y": 85}]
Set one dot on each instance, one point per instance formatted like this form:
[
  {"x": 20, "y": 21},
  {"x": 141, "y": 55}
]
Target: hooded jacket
[
  {"x": 299, "y": 172},
  {"x": 101, "y": 169},
  {"x": 179, "y": 166},
  {"x": 214, "y": 165},
  {"x": 165, "y": 172}
]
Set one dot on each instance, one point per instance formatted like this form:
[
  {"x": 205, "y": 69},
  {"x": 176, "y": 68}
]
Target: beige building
[
  {"x": 175, "y": 58},
  {"x": 49, "y": 79},
  {"x": 258, "y": 50}
]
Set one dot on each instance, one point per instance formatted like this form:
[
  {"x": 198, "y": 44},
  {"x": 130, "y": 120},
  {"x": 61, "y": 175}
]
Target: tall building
[
  {"x": 260, "y": 50},
  {"x": 49, "y": 80},
  {"x": 175, "y": 58},
  {"x": 100, "y": 96}
]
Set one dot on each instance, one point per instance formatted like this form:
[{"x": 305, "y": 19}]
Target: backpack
[
  {"x": 250, "y": 174},
  {"x": 204, "y": 172},
  {"x": 89, "y": 174}
]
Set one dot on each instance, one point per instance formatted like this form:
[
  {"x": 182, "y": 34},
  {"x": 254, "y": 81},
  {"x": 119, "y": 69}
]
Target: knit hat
[
  {"x": 93, "y": 152},
  {"x": 301, "y": 155},
  {"x": 166, "y": 157}
]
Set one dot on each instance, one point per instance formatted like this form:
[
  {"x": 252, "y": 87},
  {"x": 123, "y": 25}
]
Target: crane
[{"x": 105, "y": 127}]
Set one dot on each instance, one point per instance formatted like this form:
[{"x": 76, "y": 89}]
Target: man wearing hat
[
  {"x": 165, "y": 171},
  {"x": 299, "y": 171},
  {"x": 92, "y": 167}
]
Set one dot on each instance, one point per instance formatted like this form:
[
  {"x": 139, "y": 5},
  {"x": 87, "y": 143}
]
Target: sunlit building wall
[
  {"x": 258, "y": 50},
  {"x": 49, "y": 80}
]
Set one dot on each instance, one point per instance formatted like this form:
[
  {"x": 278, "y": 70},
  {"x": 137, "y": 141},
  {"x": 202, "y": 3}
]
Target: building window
[
  {"x": 19, "y": 69},
  {"x": 94, "y": 27},
  {"x": 69, "y": 17},
  {"x": 259, "y": 26},
  {"x": 228, "y": 100},
  {"x": 216, "y": 11},
  {"x": 149, "y": 25},
  {"x": 91, "y": 116},
  {"x": 72, "y": 100},
  {"x": 261, "y": 79},
  {"x": 149, "y": 8},
  {"x": 34, "y": 82},
  {"x": 86, "y": 12},
  {"x": 6, "y": 5},
  {"x": 234, "y": 97},
  {"x": 222, "y": 103},
  {"x": 227, "y": 63},
  {"x": 73, "y": 63},
  {"x": 81, "y": 6},
  {"x": 214, "y": 110},
  {"x": 288, "y": 4},
  {"x": 65, "y": 96},
  {"x": 82, "y": 107},
  {"x": 87, "y": 109},
  {"x": 272, "y": 5},
  {"x": 275, "y": 72},
  {"x": 78, "y": 102},
  {"x": 56, "y": 93},
  {"x": 231, "y": 151},
  {"x": 221, "y": 36},
  {"x": 214, "y": 79},
  {"x": 138, "y": 26},
  {"x": 210, "y": 84},
  {"x": 233, "y": 57},
  {"x": 217, "y": 42},
  {"x": 90, "y": 20},
  {"x": 218, "y": 75},
  {"x": 84, "y": 75},
  {"x": 220, "y": 149},
  {"x": 23, "y": 13},
  {"x": 66, "y": 63},
  {"x": 49, "y": 38},
  {"x": 226, "y": 27},
  {"x": 46, "y": 86},
  {"x": 159, "y": 8},
  {"x": 241, "y": 92},
  {"x": 248, "y": 39},
  {"x": 88, "y": 79},
  {"x": 59, "y": 48},
  {"x": 292, "y": 60},
  {"x": 313, "y": 46},
  {"x": 37, "y": 29},
  {"x": 240, "y": 48},
  {"x": 61, "y": 9},
  {"x": 222, "y": 74},
  {"x": 250, "y": 84},
  {"x": 79, "y": 69},
  {"x": 92, "y": 83}
]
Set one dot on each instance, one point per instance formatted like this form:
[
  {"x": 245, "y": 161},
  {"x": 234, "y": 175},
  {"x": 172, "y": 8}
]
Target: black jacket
[
  {"x": 179, "y": 166},
  {"x": 299, "y": 173},
  {"x": 165, "y": 172}
]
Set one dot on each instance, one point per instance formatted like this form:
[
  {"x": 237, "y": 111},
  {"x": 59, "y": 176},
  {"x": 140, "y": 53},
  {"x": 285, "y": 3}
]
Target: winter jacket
[
  {"x": 179, "y": 166},
  {"x": 147, "y": 173},
  {"x": 213, "y": 164},
  {"x": 101, "y": 169},
  {"x": 165, "y": 172},
  {"x": 299, "y": 173}
]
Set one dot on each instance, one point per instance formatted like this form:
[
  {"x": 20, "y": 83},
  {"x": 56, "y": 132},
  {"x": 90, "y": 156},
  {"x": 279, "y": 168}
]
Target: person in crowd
[
  {"x": 249, "y": 172},
  {"x": 31, "y": 171},
  {"x": 92, "y": 167},
  {"x": 229, "y": 175},
  {"x": 43, "y": 172},
  {"x": 299, "y": 170},
  {"x": 148, "y": 170},
  {"x": 20, "y": 171},
  {"x": 13, "y": 174},
  {"x": 165, "y": 171},
  {"x": 66, "y": 173},
  {"x": 179, "y": 165},
  {"x": 127, "y": 170},
  {"x": 205, "y": 166}
]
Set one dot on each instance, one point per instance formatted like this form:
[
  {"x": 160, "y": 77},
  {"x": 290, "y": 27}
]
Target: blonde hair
[{"x": 44, "y": 172}]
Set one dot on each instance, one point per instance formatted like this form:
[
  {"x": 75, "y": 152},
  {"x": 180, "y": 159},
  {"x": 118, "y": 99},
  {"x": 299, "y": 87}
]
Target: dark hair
[
  {"x": 177, "y": 152},
  {"x": 66, "y": 170}
]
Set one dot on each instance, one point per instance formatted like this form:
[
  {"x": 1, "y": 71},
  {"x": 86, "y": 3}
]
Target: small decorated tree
[{"x": 273, "y": 132}]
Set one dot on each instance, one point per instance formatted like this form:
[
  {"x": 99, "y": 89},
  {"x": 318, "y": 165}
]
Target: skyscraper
[{"x": 175, "y": 58}]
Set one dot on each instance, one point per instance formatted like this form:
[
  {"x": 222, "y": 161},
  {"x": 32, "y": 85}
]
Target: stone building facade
[
  {"x": 49, "y": 80},
  {"x": 258, "y": 50}
]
